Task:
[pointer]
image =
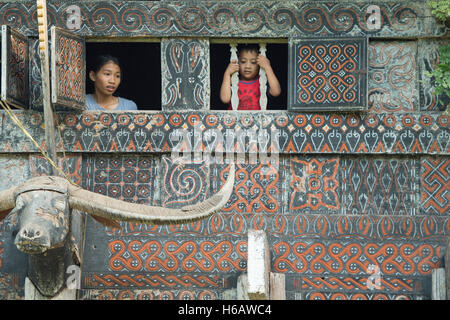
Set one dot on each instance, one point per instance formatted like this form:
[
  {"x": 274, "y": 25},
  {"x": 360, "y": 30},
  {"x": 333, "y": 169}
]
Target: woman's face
[{"x": 107, "y": 79}]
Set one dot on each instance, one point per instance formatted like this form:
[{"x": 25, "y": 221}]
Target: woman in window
[{"x": 106, "y": 75}]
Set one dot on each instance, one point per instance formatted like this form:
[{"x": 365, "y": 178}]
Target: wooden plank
[
  {"x": 68, "y": 61},
  {"x": 258, "y": 265},
  {"x": 241, "y": 290},
  {"x": 45, "y": 74},
  {"x": 277, "y": 286},
  {"x": 438, "y": 284},
  {"x": 447, "y": 267},
  {"x": 14, "y": 67}
]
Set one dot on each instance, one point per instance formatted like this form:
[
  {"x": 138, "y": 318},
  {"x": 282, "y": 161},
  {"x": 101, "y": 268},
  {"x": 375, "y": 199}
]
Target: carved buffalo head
[{"x": 43, "y": 205}]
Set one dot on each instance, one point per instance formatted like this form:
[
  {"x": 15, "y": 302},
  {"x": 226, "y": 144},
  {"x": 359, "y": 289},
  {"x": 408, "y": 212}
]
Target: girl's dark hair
[
  {"x": 101, "y": 60},
  {"x": 247, "y": 47}
]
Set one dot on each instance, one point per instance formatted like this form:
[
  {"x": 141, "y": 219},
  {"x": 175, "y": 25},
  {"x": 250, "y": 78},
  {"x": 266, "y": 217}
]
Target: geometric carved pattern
[
  {"x": 401, "y": 133},
  {"x": 338, "y": 283},
  {"x": 343, "y": 287},
  {"x": 254, "y": 191},
  {"x": 328, "y": 73},
  {"x": 183, "y": 294},
  {"x": 379, "y": 186},
  {"x": 314, "y": 184},
  {"x": 435, "y": 180},
  {"x": 356, "y": 296},
  {"x": 301, "y": 225},
  {"x": 14, "y": 68},
  {"x": 68, "y": 66},
  {"x": 333, "y": 268},
  {"x": 101, "y": 280},
  {"x": 332, "y": 257},
  {"x": 177, "y": 255},
  {"x": 129, "y": 179},
  {"x": 392, "y": 74}
]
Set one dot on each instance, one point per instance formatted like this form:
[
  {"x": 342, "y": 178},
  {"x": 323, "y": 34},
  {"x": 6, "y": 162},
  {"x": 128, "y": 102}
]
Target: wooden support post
[
  {"x": 258, "y": 265},
  {"x": 263, "y": 80},
  {"x": 438, "y": 284},
  {"x": 447, "y": 267},
  {"x": 234, "y": 79},
  {"x": 242, "y": 284},
  {"x": 277, "y": 286},
  {"x": 45, "y": 74}
]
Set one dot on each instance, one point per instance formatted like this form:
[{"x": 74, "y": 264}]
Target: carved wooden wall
[{"x": 351, "y": 190}]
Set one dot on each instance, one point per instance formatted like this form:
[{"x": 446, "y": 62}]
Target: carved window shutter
[
  {"x": 68, "y": 69},
  {"x": 14, "y": 71},
  {"x": 328, "y": 74}
]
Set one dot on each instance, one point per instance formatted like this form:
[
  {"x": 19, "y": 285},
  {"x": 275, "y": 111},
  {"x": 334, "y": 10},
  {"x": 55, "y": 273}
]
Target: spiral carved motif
[{"x": 209, "y": 18}]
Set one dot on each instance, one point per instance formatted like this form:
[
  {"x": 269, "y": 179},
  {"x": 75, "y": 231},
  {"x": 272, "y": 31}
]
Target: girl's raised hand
[
  {"x": 232, "y": 67},
  {"x": 263, "y": 61}
]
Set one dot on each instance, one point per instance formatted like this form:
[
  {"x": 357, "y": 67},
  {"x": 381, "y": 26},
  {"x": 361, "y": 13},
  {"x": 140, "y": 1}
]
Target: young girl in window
[{"x": 248, "y": 64}]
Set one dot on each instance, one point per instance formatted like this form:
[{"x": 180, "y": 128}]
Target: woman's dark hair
[{"x": 101, "y": 60}]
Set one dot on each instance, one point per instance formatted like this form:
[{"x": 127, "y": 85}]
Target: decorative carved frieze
[
  {"x": 228, "y": 19},
  {"x": 398, "y": 133}
]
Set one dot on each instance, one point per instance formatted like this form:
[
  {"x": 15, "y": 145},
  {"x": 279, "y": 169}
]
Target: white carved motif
[
  {"x": 234, "y": 79},
  {"x": 263, "y": 80}
]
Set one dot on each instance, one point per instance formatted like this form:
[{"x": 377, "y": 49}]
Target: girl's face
[
  {"x": 248, "y": 66},
  {"x": 107, "y": 79}
]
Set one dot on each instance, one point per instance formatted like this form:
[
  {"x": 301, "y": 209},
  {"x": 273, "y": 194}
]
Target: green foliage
[
  {"x": 441, "y": 10},
  {"x": 442, "y": 72}
]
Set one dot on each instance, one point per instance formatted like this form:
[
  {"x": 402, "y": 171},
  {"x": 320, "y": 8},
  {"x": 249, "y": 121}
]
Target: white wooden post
[
  {"x": 447, "y": 268},
  {"x": 234, "y": 79},
  {"x": 263, "y": 80},
  {"x": 277, "y": 286},
  {"x": 438, "y": 291},
  {"x": 258, "y": 265}
]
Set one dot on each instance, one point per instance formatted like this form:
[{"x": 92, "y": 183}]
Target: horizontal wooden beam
[
  {"x": 306, "y": 133},
  {"x": 231, "y": 18}
]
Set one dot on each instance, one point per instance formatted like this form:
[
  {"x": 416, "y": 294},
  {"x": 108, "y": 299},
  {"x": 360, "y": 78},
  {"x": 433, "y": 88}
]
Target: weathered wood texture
[
  {"x": 328, "y": 73},
  {"x": 447, "y": 267},
  {"x": 229, "y": 18},
  {"x": 350, "y": 191},
  {"x": 14, "y": 170},
  {"x": 363, "y": 209},
  {"x": 438, "y": 284},
  {"x": 385, "y": 133},
  {"x": 277, "y": 286},
  {"x": 258, "y": 265},
  {"x": 31, "y": 293},
  {"x": 185, "y": 74},
  {"x": 15, "y": 67}
]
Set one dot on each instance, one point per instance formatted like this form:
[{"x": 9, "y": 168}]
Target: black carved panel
[
  {"x": 68, "y": 69},
  {"x": 185, "y": 74},
  {"x": 14, "y": 77},
  {"x": 328, "y": 74}
]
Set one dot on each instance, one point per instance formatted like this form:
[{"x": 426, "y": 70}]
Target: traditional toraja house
[{"x": 353, "y": 205}]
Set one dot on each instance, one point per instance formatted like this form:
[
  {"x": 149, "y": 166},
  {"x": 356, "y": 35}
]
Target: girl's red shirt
[{"x": 248, "y": 94}]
